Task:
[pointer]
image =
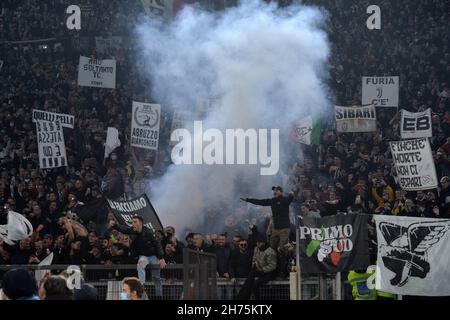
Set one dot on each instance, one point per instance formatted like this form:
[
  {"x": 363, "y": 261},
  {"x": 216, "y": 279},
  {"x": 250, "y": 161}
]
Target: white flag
[
  {"x": 97, "y": 73},
  {"x": 145, "y": 124},
  {"x": 416, "y": 125},
  {"x": 66, "y": 120},
  {"x": 380, "y": 91},
  {"x": 17, "y": 228},
  {"x": 40, "y": 274},
  {"x": 413, "y": 255},
  {"x": 308, "y": 131},
  {"x": 414, "y": 164},
  {"x": 356, "y": 119},
  {"x": 112, "y": 141},
  {"x": 51, "y": 145}
]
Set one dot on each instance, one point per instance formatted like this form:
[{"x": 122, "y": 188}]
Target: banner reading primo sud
[{"x": 334, "y": 243}]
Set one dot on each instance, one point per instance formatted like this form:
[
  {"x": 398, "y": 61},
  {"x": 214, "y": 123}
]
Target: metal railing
[
  {"x": 174, "y": 282},
  {"x": 199, "y": 275}
]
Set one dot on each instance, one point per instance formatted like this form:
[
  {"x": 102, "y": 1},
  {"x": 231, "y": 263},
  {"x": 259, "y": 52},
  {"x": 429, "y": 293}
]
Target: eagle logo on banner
[
  {"x": 406, "y": 249},
  {"x": 146, "y": 116}
]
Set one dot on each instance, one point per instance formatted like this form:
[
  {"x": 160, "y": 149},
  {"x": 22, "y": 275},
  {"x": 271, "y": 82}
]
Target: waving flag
[
  {"x": 17, "y": 228},
  {"x": 308, "y": 131},
  {"x": 413, "y": 255}
]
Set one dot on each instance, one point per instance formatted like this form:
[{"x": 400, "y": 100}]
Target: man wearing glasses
[{"x": 241, "y": 261}]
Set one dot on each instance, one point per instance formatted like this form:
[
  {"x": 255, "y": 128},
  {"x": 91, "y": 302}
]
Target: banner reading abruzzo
[
  {"x": 380, "y": 91},
  {"x": 413, "y": 255},
  {"x": 125, "y": 210},
  {"x": 66, "y": 120},
  {"x": 356, "y": 119},
  {"x": 51, "y": 146},
  {"x": 414, "y": 164},
  {"x": 416, "y": 125},
  {"x": 145, "y": 124},
  {"x": 97, "y": 73},
  {"x": 334, "y": 243}
]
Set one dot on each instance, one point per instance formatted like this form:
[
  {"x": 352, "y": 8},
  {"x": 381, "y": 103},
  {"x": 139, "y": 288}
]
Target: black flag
[
  {"x": 334, "y": 243},
  {"x": 125, "y": 210}
]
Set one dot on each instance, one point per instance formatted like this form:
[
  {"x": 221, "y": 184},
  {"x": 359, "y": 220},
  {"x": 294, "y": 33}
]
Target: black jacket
[
  {"x": 223, "y": 255},
  {"x": 143, "y": 243},
  {"x": 280, "y": 210},
  {"x": 241, "y": 263}
]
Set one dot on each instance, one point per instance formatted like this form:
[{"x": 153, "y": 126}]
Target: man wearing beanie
[{"x": 19, "y": 284}]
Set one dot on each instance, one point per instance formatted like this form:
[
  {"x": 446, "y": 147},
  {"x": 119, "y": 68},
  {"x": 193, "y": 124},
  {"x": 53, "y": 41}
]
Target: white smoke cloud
[{"x": 266, "y": 66}]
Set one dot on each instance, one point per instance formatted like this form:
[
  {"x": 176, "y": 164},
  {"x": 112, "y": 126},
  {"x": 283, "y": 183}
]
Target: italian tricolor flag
[{"x": 307, "y": 131}]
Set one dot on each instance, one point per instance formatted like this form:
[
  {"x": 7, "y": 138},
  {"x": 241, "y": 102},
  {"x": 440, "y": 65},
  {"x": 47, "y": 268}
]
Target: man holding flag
[{"x": 145, "y": 248}]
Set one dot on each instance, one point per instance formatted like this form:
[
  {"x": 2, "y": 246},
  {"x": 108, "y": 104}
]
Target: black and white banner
[
  {"x": 125, "y": 210},
  {"x": 416, "y": 125},
  {"x": 51, "y": 146},
  {"x": 145, "y": 123},
  {"x": 334, "y": 243},
  {"x": 413, "y": 255},
  {"x": 356, "y": 119},
  {"x": 97, "y": 73},
  {"x": 380, "y": 91},
  {"x": 414, "y": 164},
  {"x": 66, "y": 120}
]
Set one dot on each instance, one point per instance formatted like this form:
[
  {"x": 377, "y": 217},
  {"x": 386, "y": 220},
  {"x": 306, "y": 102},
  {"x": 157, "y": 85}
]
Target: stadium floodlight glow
[{"x": 208, "y": 147}]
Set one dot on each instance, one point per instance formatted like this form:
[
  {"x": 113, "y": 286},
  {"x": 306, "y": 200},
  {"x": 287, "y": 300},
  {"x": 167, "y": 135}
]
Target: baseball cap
[{"x": 277, "y": 188}]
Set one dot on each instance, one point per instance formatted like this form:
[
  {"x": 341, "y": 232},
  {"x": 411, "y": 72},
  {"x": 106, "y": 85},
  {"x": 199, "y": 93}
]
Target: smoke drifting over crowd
[{"x": 266, "y": 67}]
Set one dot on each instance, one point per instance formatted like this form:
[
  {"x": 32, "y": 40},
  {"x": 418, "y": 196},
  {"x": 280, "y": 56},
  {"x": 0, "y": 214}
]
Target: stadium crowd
[{"x": 345, "y": 173}]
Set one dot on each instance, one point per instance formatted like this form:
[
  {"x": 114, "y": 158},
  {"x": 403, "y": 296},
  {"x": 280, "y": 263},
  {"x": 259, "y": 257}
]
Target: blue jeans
[{"x": 156, "y": 272}]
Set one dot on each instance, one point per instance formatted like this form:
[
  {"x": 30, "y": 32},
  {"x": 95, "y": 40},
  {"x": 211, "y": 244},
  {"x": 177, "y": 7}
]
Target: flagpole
[{"x": 299, "y": 274}]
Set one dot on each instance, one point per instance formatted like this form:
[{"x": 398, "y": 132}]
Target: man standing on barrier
[
  {"x": 146, "y": 249},
  {"x": 280, "y": 213}
]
